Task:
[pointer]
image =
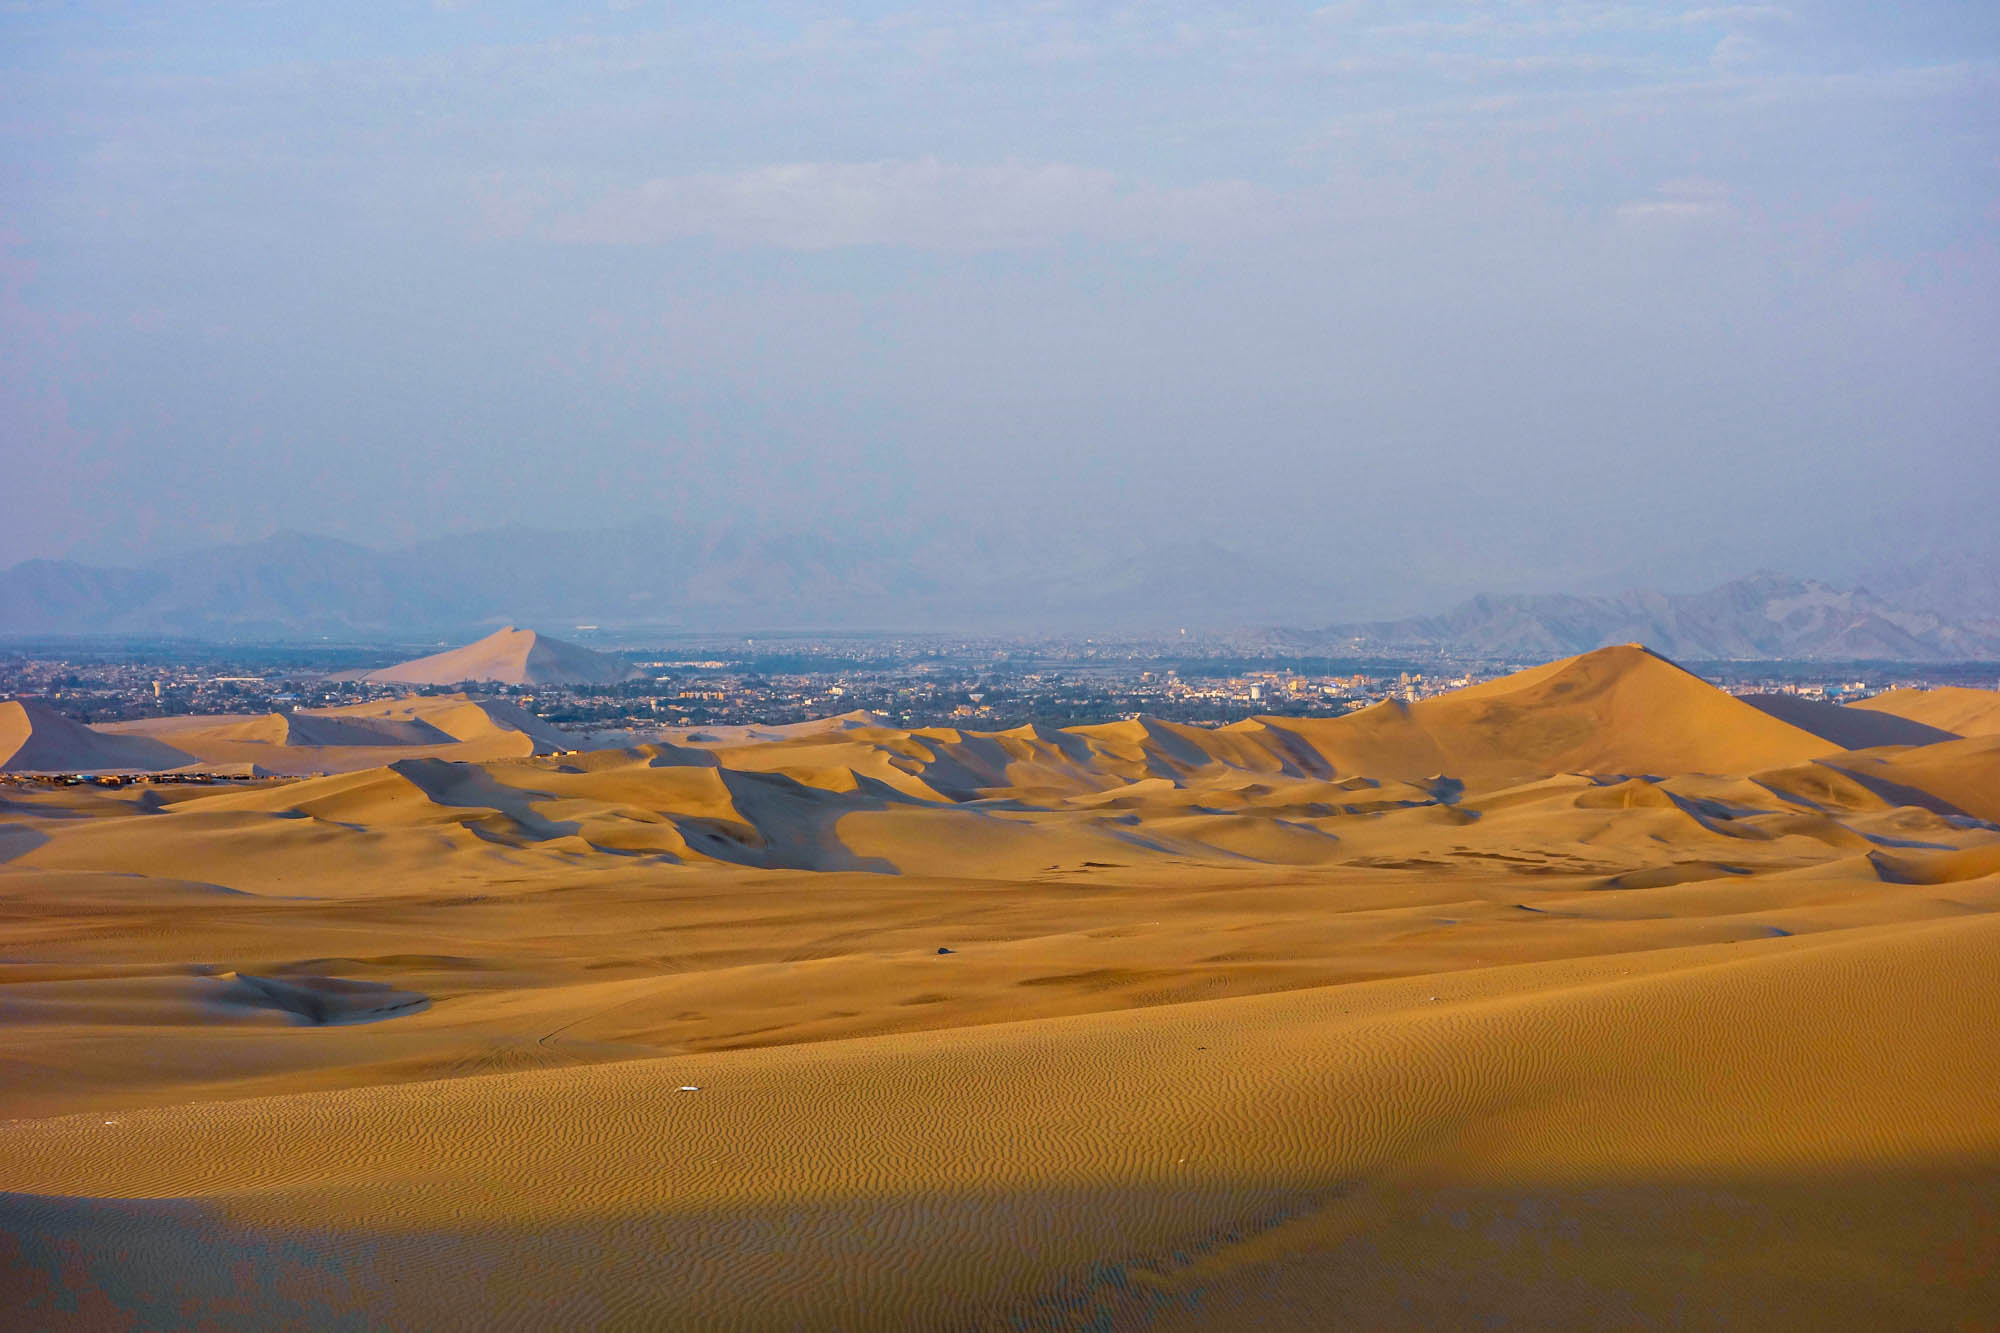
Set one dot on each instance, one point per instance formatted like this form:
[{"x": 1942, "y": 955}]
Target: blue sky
[{"x": 1434, "y": 298}]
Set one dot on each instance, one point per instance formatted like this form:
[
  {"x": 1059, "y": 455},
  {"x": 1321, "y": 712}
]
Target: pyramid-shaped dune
[
  {"x": 508, "y": 656},
  {"x": 1623, "y": 709},
  {"x": 34, "y": 738}
]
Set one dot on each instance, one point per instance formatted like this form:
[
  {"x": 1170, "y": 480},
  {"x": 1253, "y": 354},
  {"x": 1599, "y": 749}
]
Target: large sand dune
[
  {"x": 507, "y": 656},
  {"x": 1618, "y": 709},
  {"x": 1590, "y": 998}
]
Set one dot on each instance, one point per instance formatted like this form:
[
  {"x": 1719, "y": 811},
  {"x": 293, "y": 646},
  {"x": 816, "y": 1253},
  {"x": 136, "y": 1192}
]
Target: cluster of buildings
[
  {"x": 93, "y": 689},
  {"x": 1848, "y": 687},
  {"x": 976, "y": 684}
]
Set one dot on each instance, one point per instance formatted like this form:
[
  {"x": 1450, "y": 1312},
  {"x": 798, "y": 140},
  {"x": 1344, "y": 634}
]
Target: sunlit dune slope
[
  {"x": 755, "y": 732},
  {"x": 1948, "y": 708},
  {"x": 1616, "y": 710},
  {"x": 1592, "y": 997},
  {"x": 1344, "y": 1150},
  {"x": 326, "y": 740},
  {"x": 938, "y": 801}
]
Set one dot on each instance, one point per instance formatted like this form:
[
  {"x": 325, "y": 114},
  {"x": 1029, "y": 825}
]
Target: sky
[{"x": 1426, "y": 298}]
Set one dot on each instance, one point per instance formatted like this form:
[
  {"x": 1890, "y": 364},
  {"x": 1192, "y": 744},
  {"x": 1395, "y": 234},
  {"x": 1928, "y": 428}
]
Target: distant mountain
[
  {"x": 1768, "y": 616},
  {"x": 739, "y": 577},
  {"x": 1958, "y": 585},
  {"x": 286, "y": 585},
  {"x": 730, "y": 576}
]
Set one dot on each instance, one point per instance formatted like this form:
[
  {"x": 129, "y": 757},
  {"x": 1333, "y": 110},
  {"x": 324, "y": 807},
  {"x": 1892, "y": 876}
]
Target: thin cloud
[
  {"x": 923, "y": 203},
  {"x": 1681, "y": 202}
]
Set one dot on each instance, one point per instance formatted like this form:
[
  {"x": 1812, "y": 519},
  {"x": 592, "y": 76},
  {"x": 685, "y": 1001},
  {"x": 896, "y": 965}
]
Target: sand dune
[
  {"x": 508, "y": 656},
  {"x": 354, "y": 736},
  {"x": 1617, "y": 710},
  {"x": 1948, "y": 708},
  {"x": 34, "y": 738},
  {"x": 1960, "y": 774},
  {"x": 1848, "y": 728},
  {"x": 1590, "y": 998}
]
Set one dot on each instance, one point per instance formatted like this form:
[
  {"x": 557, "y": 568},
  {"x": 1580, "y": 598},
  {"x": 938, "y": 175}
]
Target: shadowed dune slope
[
  {"x": 34, "y": 738},
  {"x": 1964, "y": 773},
  {"x": 1951, "y": 708},
  {"x": 1848, "y": 728}
]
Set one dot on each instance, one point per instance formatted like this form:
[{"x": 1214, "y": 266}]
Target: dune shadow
[
  {"x": 468, "y": 785},
  {"x": 322, "y": 1001},
  {"x": 1897, "y": 793},
  {"x": 1602, "y": 1252},
  {"x": 19, "y": 840},
  {"x": 797, "y": 824}
]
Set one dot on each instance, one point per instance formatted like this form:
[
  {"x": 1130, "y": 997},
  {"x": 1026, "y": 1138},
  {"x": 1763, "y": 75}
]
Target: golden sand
[
  {"x": 1953, "y": 708},
  {"x": 1589, "y": 998}
]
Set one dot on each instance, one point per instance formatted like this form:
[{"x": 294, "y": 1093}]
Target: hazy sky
[{"x": 1507, "y": 296}]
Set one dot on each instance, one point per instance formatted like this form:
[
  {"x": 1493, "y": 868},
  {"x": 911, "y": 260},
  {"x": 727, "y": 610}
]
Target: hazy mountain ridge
[
  {"x": 715, "y": 576},
  {"x": 724, "y": 576},
  {"x": 1765, "y": 616}
]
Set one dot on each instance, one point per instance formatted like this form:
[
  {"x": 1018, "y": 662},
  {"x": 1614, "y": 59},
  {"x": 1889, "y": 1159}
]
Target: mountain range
[
  {"x": 1940, "y": 615},
  {"x": 737, "y": 577},
  {"x": 659, "y": 575}
]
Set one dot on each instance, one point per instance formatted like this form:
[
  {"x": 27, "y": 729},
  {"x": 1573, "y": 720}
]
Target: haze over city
[{"x": 1441, "y": 298}]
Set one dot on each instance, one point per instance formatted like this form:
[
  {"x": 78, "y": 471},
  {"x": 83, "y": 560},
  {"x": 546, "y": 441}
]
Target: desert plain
[{"x": 1591, "y": 997}]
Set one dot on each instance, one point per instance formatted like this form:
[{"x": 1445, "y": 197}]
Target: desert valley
[
  {"x": 1306, "y": 666},
  {"x": 1586, "y": 997}
]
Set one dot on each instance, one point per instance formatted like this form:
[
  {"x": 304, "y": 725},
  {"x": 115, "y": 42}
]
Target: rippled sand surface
[{"x": 1470, "y": 1013}]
